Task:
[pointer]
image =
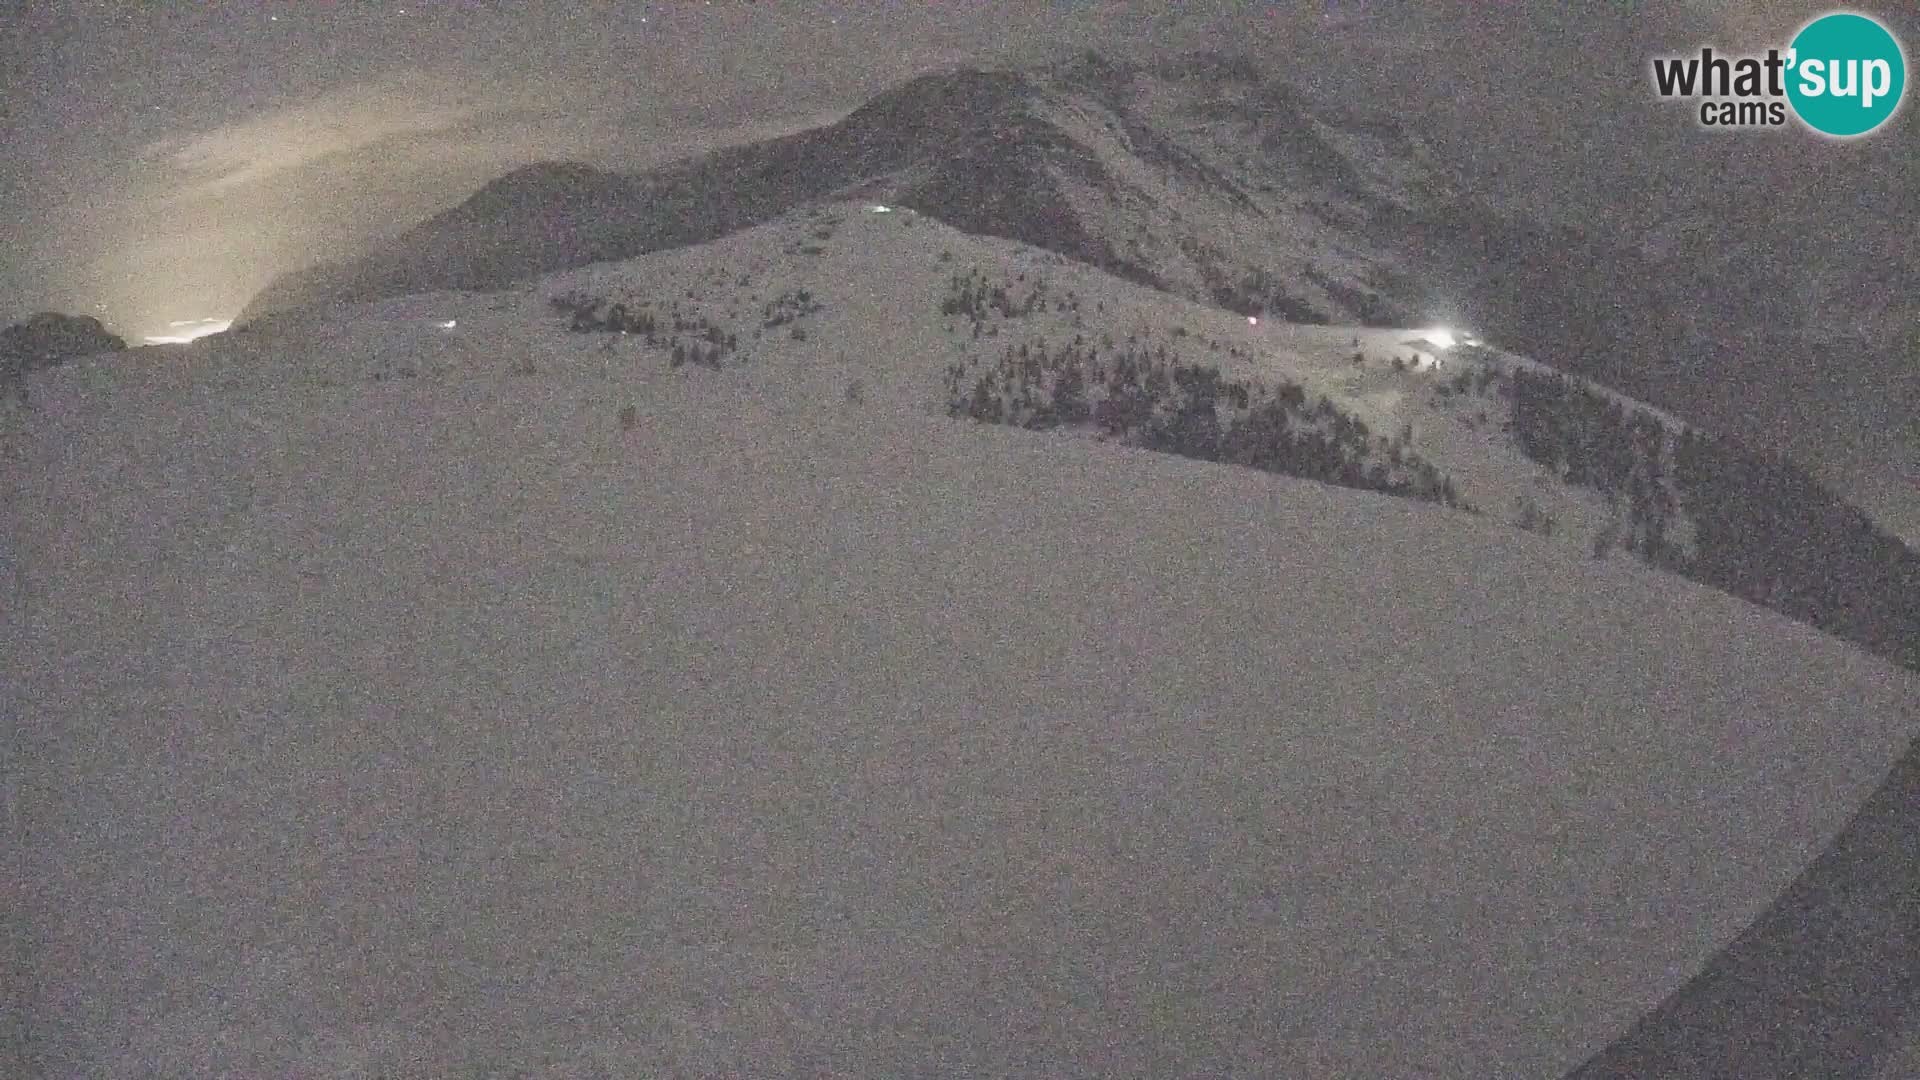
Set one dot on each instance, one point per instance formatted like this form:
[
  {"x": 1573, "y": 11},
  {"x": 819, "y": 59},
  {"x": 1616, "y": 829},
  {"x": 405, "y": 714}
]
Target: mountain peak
[
  {"x": 943, "y": 102},
  {"x": 1134, "y": 169}
]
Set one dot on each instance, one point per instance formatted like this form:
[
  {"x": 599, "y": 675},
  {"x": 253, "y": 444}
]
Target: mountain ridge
[
  {"x": 987, "y": 150},
  {"x": 1199, "y": 175}
]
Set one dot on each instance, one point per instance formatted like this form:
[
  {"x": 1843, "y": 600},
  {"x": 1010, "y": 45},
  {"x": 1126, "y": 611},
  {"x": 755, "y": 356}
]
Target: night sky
[{"x": 164, "y": 161}]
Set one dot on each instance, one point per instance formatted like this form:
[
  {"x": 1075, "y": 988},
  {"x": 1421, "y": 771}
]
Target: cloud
[
  {"x": 262, "y": 146},
  {"x": 394, "y": 113},
  {"x": 199, "y": 222}
]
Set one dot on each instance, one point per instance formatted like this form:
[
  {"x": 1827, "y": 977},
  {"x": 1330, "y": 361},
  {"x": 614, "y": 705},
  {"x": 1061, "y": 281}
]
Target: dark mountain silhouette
[
  {"x": 1214, "y": 188},
  {"x": 1822, "y": 984},
  {"x": 50, "y": 338}
]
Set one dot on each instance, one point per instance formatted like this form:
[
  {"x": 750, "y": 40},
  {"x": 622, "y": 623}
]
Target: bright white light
[
  {"x": 1253, "y": 320},
  {"x": 876, "y": 208},
  {"x": 195, "y": 329},
  {"x": 449, "y": 324},
  {"x": 1441, "y": 336}
]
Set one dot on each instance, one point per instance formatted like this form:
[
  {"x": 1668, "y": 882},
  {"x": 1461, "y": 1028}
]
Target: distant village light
[{"x": 1253, "y": 320}]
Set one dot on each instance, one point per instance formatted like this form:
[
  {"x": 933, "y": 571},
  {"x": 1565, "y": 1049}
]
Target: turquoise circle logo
[{"x": 1847, "y": 74}]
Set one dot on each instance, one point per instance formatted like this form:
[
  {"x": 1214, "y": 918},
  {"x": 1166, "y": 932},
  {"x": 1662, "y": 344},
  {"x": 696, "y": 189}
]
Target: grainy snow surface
[{"x": 444, "y": 726}]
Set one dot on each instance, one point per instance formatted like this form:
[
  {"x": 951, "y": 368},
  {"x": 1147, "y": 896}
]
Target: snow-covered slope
[
  {"x": 891, "y": 298},
  {"x": 460, "y": 699},
  {"x": 858, "y": 295},
  {"x": 873, "y": 297}
]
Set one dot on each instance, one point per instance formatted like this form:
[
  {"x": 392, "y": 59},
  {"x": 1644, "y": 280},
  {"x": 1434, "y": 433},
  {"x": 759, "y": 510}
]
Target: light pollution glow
[{"x": 194, "y": 329}]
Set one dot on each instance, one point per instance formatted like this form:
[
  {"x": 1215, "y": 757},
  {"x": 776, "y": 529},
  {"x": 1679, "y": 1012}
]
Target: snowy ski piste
[{"x": 443, "y": 725}]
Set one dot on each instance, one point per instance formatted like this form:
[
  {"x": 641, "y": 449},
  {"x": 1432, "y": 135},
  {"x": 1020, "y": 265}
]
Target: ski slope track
[{"x": 448, "y": 723}]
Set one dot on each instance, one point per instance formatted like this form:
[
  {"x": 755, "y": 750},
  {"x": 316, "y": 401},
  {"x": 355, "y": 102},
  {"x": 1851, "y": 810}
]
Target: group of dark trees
[
  {"x": 1595, "y": 441},
  {"x": 1368, "y": 307},
  {"x": 693, "y": 340},
  {"x": 1763, "y": 528},
  {"x": 789, "y": 306},
  {"x": 592, "y": 315},
  {"x": 1257, "y": 292},
  {"x": 971, "y": 295},
  {"x": 1151, "y": 399}
]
